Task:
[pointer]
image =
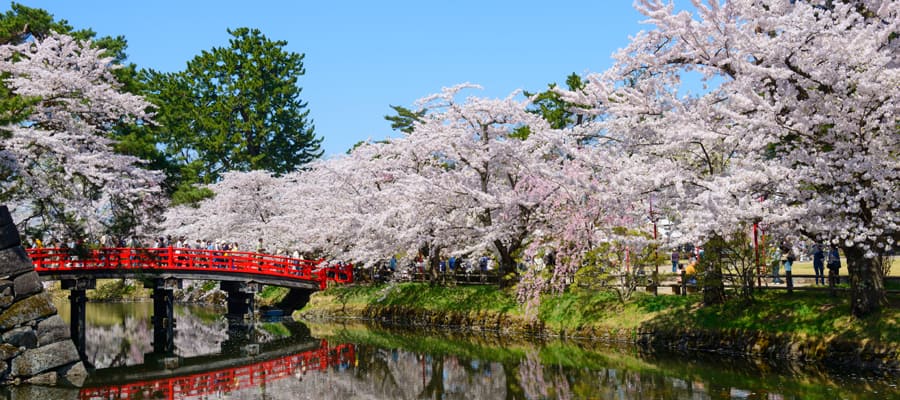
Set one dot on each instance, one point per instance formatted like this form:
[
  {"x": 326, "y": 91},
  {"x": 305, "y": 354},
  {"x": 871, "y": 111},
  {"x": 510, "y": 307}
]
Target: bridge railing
[
  {"x": 229, "y": 379},
  {"x": 184, "y": 259}
]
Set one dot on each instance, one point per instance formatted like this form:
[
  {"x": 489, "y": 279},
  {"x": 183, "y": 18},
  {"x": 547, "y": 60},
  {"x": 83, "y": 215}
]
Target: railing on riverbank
[
  {"x": 459, "y": 276},
  {"x": 680, "y": 285},
  {"x": 67, "y": 260}
]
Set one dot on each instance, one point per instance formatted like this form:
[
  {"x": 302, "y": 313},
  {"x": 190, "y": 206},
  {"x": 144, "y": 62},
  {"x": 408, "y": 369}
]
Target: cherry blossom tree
[
  {"x": 349, "y": 207},
  {"x": 494, "y": 169},
  {"x": 243, "y": 210},
  {"x": 798, "y": 128},
  {"x": 470, "y": 178},
  {"x": 597, "y": 222},
  {"x": 59, "y": 172}
]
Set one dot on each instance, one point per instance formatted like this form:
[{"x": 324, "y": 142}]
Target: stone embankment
[
  {"x": 867, "y": 355},
  {"x": 834, "y": 352},
  {"x": 36, "y": 346}
]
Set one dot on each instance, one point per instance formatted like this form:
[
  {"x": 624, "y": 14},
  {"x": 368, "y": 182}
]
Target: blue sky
[{"x": 362, "y": 56}]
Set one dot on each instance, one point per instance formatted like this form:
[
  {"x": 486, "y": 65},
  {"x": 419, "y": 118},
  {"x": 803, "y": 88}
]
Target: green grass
[
  {"x": 276, "y": 329},
  {"x": 209, "y": 285},
  {"x": 426, "y": 297},
  {"x": 800, "y": 313},
  {"x": 603, "y": 310},
  {"x": 271, "y": 295},
  {"x": 117, "y": 290}
]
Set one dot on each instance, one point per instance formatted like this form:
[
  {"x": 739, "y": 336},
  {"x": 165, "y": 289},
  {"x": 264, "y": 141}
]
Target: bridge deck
[{"x": 56, "y": 263}]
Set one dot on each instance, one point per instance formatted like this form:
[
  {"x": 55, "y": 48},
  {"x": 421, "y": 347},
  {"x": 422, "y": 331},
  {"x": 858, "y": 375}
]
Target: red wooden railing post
[{"x": 38, "y": 261}]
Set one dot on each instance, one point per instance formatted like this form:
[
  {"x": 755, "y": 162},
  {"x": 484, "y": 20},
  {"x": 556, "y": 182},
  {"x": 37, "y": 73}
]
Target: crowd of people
[
  {"x": 72, "y": 253},
  {"x": 418, "y": 267},
  {"x": 781, "y": 257},
  {"x": 161, "y": 242}
]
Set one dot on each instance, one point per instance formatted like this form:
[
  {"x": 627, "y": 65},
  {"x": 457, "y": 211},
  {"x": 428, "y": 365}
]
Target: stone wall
[{"x": 35, "y": 345}]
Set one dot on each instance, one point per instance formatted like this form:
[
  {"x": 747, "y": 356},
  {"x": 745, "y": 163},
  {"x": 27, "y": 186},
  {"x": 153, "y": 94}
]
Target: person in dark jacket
[{"x": 818, "y": 256}]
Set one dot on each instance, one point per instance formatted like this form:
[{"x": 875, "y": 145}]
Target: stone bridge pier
[
  {"x": 78, "y": 301},
  {"x": 240, "y": 301},
  {"x": 164, "y": 314}
]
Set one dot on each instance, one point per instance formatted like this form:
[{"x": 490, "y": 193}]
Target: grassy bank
[
  {"x": 812, "y": 314},
  {"x": 354, "y": 300},
  {"x": 807, "y": 316}
]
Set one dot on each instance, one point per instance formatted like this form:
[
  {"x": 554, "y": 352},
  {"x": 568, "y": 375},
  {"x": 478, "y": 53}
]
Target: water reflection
[
  {"x": 396, "y": 364},
  {"x": 204, "y": 377},
  {"x": 290, "y": 360},
  {"x": 120, "y": 334}
]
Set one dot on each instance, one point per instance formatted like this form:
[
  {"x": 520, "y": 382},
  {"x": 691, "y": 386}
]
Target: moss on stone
[{"x": 28, "y": 309}]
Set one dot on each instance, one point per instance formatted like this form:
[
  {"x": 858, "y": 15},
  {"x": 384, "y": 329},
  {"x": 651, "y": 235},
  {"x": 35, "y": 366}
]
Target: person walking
[
  {"x": 787, "y": 256},
  {"x": 776, "y": 265},
  {"x": 787, "y": 261},
  {"x": 833, "y": 261},
  {"x": 676, "y": 257},
  {"x": 818, "y": 256}
]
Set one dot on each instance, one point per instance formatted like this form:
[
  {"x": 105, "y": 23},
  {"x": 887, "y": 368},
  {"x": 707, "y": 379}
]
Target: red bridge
[
  {"x": 169, "y": 262},
  {"x": 226, "y": 380},
  {"x": 240, "y": 275}
]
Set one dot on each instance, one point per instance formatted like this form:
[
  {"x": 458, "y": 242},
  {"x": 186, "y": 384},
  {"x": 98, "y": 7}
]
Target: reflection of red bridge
[
  {"x": 228, "y": 379},
  {"x": 189, "y": 264}
]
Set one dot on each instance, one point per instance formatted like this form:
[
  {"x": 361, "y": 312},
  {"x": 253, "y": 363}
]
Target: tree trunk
[
  {"x": 713, "y": 286},
  {"x": 435, "y": 387},
  {"x": 867, "y": 293},
  {"x": 507, "y": 265},
  {"x": 434, "y": 262}
]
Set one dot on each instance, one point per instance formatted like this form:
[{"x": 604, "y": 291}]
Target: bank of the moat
[{"x": 814, "y": 328}]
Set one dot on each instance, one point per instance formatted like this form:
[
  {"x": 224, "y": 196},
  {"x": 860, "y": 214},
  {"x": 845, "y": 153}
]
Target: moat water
[{"x": 290, "y": 360}]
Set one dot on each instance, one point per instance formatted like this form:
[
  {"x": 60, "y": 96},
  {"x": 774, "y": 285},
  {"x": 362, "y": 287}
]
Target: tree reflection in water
[
  {"x": 120, "y": 334},
  {"x": 393, "y": 364}
]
